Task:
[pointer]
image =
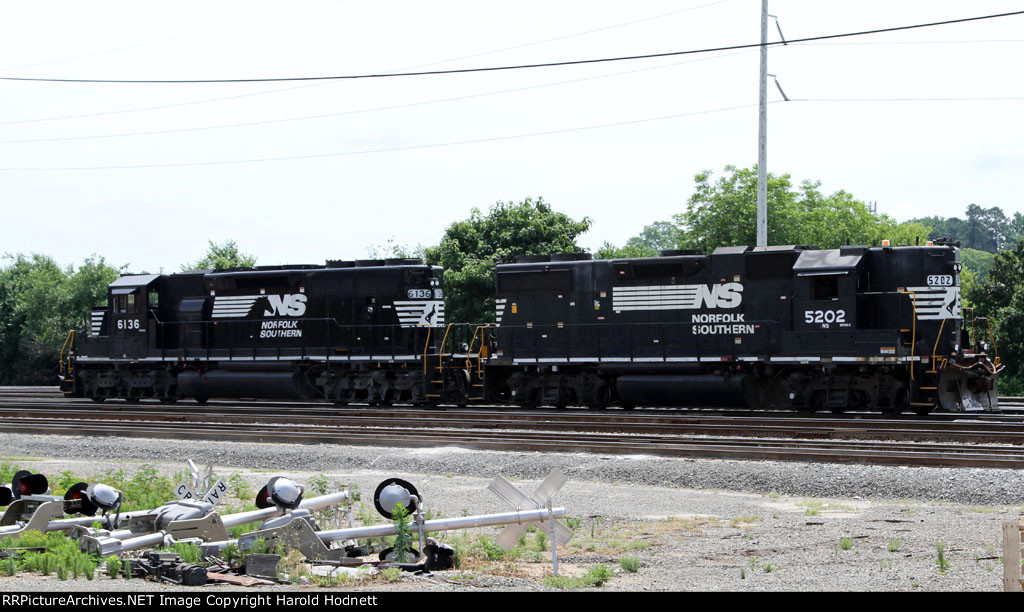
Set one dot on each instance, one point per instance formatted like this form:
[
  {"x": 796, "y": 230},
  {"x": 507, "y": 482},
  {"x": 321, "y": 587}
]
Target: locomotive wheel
[
  {"x": 602, "y": 398},
  {"x": 98, "y": 400},
  {"x": 202, "y": 400}
]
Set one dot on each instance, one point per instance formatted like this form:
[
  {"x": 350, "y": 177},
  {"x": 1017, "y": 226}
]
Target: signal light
[
  {"x": 23, "y": 483},
  {"x": 93, "y": 498},
  {"x": 886, "y": 243},
  {"x": 392, "y": 492},
  {"x": 281, "y": 492}
]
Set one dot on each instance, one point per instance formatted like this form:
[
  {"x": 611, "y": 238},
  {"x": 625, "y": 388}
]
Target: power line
[
  {"x": 947, "y": 99},
  {"x": 516, "y": 67},
  {"x": 368, "y": 110},
  {"x": 317, "y": 84},
  {"x": 387, "y": 150}
]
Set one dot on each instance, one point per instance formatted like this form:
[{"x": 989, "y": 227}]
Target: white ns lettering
[{"x": 291, "y": 305}]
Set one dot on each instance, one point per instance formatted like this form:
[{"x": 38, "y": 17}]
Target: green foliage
[
  {"x": 240, "y": 486},
  {"x": 61, "y": 556},
  {"x": 7, "y": 471},
  {"x": 221, "y": 257},
  {"x": 846, "y": 543},
  {"x": 392, "y": 574},
  {"x": 630, "y": 564},
  {"x": 189, "y": 553},
  {"x": 940, "y": 557},
  {"x": 983, "y": 229},
  {"x": 594, "y": 577},
  {"x": 469, "y": 249},
  {"x": 319, "y": 484},
  {"x": 142, "y": 490},
  {"x": 113, "y": 567},
  {"x": 403, "y": 534},
  {"x": 39, "y": 304},
  {"x": 724, "y": 213},
  {"x": 656, "y": 237},
  {"x": 894, "y": 545},
  {"x": 1000, "y": 297}
]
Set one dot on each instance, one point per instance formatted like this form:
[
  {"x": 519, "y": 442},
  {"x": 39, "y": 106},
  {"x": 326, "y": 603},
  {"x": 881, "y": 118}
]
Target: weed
[
  {"x": 113, "y": 567},
  {"x": 403, "y": 534},
  {"x": 240, "y": 486},
  {"x": 894, "y": 545},
  {"x": 541, "y": 539},
  {"x": 743, "y": 573},
  {"x": 630, "y": 564},
  {"x": 845, "y": 543},
  {"x": 769, "y": 568},
  {"x": 319, "y": 484},
  {"x": 745, "y": 519},
  {"x": 594, "y": 577},
  {"x": 940, "y": 557},
  {"x": 392, "y": 574},
  {"x": 573, "y": 522}
]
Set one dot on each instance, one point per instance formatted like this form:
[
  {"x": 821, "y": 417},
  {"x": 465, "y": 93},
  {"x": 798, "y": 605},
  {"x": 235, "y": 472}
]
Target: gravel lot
[{"x": 710, "y": 525}]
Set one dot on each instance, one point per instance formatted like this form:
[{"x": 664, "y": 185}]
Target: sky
[{"x": 923, "y": 122}]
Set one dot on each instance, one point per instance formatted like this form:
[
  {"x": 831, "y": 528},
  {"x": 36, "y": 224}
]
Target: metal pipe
[
  {"x": 465, "y": 522},
  {"x": 243, "y": 518}
]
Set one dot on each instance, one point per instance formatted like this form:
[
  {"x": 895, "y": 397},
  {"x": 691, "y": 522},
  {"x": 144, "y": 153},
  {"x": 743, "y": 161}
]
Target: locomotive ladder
[
  {"x": 66, "y": 369},
  {"x": 437, "y": 378}
]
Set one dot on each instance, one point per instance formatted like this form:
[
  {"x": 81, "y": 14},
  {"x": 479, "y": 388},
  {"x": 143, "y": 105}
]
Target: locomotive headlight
[
  {"x": 392, "y": 492},
  {"x": 281, "y": 492}
]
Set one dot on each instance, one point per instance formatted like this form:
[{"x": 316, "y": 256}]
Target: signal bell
[
  {"x": 392, "y": 492},
  {"x": 281, "y": 492}
]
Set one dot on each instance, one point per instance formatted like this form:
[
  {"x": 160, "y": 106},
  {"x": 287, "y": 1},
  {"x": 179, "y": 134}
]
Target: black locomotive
[
  {"x": 355, "y": 331},
  {"x": 774, "y": 327},
  {"x": 778, "y": 327}
]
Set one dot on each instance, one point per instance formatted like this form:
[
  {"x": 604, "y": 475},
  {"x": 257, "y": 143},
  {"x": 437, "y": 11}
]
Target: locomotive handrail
[
  {"x": 935, "y": 349},
  {"x": 913, "y": 328},
  {"x": 70, "y": 339}
]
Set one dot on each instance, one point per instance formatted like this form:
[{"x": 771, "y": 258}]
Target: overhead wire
[
  {"x": 385, "y": 150},
  {"x": 317, "y": 84},
  {"x": 513, "y": 67},
  {"x": 374, "y": 109}
]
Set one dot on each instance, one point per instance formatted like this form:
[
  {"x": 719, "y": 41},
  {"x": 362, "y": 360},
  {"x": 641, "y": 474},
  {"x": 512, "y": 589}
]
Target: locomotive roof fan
[
  {"x": 392, "y": 492},
  {"x": 282, "y": 492}
]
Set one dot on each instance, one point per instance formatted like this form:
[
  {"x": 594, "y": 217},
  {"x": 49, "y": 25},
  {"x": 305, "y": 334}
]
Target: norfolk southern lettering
[
  {"x": 720, "y": 324},
  {"x": 280, "y": 329}
]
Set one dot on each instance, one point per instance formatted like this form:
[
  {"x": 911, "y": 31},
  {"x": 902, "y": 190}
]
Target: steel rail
[
  {"x": 823, "y": 451},
  {"x": 650, "y": 423}
]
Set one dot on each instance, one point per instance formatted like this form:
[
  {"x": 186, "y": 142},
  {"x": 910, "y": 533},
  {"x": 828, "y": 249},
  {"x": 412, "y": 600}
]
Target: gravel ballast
[{"x": 694, "y": 524}]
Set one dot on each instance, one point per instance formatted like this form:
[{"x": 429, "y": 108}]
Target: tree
[
  {"x": 656, "y": 237},
  {"x": 469, "y": 249},
  {"x": 221, "y": 257},
  {"x": 1000, "y": 297},
  {"x": 39, "y": 304},
  {"x": 984, "y": 229},
  {"x": 724, "y": 213}
]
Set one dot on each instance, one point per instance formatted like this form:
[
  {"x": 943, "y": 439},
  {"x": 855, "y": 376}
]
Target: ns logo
[{"x": 293, "y": 305}]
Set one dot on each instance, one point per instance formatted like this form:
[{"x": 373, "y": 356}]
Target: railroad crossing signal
[{"x": 541, "y": 498}]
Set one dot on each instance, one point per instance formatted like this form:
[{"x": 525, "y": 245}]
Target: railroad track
[
  {"x": 833, "y": 451},
  {"x": 740, "y": 434}
]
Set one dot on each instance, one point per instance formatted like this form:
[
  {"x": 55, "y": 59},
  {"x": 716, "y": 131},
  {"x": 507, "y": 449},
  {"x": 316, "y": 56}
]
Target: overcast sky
[{"x": 618, "y": 142}]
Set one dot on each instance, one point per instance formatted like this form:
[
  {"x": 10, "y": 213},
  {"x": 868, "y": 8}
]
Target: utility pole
[{"x": 762, "y": 136}]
